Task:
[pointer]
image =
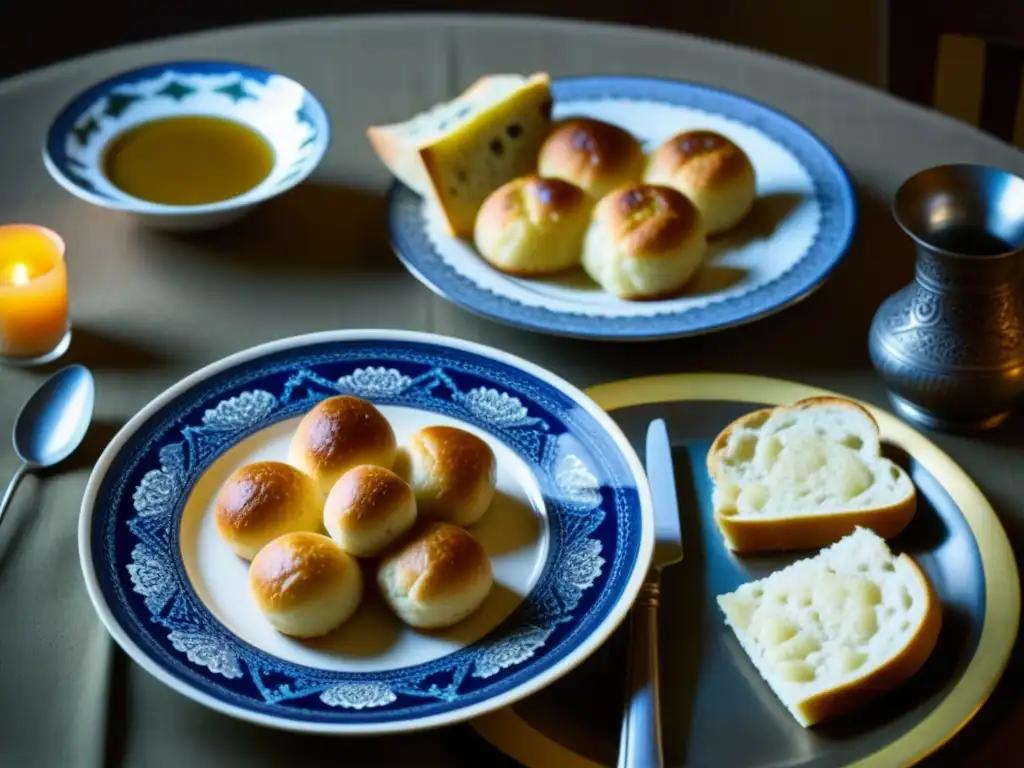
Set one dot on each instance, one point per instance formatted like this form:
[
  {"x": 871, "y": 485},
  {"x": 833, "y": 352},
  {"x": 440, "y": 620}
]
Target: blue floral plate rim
[
  {"x": 519, "y": 402},
  {"x": 830, "y": 175},
  {"x": 62, "y": 168}
]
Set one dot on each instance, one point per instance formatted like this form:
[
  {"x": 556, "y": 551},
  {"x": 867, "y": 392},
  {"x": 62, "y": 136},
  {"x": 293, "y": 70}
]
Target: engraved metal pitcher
[{"x": 950, "y": 346}]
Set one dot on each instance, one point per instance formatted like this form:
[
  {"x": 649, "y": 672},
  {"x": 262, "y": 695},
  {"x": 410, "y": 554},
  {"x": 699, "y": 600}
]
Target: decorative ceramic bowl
[{"x": 288, "y": 116}]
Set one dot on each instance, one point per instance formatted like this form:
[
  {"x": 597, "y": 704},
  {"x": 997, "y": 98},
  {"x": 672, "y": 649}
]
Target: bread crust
[
  {"x": 706, "y": 159},
  {"x": 790, "y": 534},
  {"x": 403, "y": 163},
  {"x": 437, "y": 561},
  {"x": 897, "y": 670},
  {"x": 263, "y": 500},
  {"x": 646, "y": 221},
  {"x": 457, "y": 224},
  {"x": 384, "y": 145},
  {"x": 745, "y": 535},
  {"x": 722, "y": 439},
  {"x": 592, "y": 154},
  {"x": 533, "y": 226},
  {"x": 532, "y": 196},
  {"x": 296, "y": 568},
  {"x": 712, "y": 171},
  {"x": 437, "y": 578},
  {"x": 366, "y": 497},
  {"x": 339, "y": 433},
  {"x": 458, "y": 215},
  {"x": 458, "y": 472}
]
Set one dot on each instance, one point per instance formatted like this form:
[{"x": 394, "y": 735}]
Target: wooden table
[{"x": 148, "y": 309}]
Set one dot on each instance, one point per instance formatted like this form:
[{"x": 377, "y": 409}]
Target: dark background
[
  {"x": 962, "y": 57},
  {"x": 844, "y": 36}
]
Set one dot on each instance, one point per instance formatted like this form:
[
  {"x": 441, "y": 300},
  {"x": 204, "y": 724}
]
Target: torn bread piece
[
  {"x": 831, "y": 632},
  {"x": 805, "y": 475}
]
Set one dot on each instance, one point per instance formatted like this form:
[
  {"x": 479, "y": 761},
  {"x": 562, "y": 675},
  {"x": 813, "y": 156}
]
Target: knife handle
[{"x": 640, "y": 738}]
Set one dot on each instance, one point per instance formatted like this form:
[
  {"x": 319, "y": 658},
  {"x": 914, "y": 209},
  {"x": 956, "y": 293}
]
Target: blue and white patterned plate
[
  {"x": 288, "y": 116},
  {"x": 569, "y": 535},
  {"x": 796, "y": 234}
]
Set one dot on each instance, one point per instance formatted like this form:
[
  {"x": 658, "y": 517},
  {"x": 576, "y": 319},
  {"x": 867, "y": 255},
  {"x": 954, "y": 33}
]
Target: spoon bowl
[
  {"x": 52, "y": 423},
  {"x": 56, "y": 417}
]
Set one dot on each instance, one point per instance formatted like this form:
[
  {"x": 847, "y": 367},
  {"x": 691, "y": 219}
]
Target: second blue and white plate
[
  {"x": 795, "y": 235},
  {"x": 569, "y": 536}
]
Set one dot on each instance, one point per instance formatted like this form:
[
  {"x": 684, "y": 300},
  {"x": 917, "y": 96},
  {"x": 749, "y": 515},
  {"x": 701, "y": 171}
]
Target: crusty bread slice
[
  {"x": 397, "y": 145},
  {"x": 803, "y": 476},
  {"x": 833, "y": 631},
  {"x": 458, "y": 152}
]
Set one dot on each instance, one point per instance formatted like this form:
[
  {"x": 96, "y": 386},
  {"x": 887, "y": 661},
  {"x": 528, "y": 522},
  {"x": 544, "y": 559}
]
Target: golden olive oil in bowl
[
  {"x": 188, "y": 160},
  {"x": 188, "y": 145}
]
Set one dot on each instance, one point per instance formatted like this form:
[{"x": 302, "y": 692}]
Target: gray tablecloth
[{"x": 149, "y": 309}]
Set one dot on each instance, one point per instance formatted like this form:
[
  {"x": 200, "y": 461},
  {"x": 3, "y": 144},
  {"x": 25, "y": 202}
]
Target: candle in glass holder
[{"x": 34, "y": 325}]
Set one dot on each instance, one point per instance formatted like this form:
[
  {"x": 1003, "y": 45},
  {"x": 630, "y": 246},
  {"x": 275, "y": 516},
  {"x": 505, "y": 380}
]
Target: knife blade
[{"x": 668, "y": 534}]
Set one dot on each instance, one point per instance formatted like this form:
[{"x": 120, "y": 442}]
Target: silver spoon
[{"x": 52, "y": 423}]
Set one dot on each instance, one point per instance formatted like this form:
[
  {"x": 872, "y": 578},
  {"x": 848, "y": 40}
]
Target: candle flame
[{"x": 19, "y": 275}]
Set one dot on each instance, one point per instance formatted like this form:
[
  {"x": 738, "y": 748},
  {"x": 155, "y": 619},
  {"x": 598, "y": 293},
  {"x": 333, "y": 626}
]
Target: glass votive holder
[{"x": 35, "y": 325}]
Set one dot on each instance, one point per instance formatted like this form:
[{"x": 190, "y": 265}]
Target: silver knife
[{"x": 640, "y": 739}]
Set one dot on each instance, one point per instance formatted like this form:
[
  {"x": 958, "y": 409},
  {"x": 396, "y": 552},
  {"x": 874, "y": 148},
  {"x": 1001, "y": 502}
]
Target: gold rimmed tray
[{"x": 716, "y": 709}]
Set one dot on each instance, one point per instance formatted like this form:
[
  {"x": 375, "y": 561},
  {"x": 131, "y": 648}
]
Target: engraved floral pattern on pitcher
[{"x": 951, "y": 341}]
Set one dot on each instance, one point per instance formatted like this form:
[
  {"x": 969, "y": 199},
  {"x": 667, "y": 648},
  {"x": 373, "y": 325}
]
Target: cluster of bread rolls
[
  {"x": 307, "y": 523},
  {"x": 637, "y": 224}
]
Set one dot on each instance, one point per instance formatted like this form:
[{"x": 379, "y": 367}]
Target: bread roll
[
  {"x": 338, "y": 434},
  {"x": 264, "y": 500},
  {"x": 644, "y": 242},
  {"x": 710, "y": 170},
  {"x": 452, "y": 474},
  {"x": 438, "y": 578},
  {"x": 832, "y": 632},
  {"x": 533, "y": 226},
  {"x": 593, "y": 155},
  {"x": 805, "y": 475},
  {"x": 369, "y": 509},
  {"x": 305, "y": 584}
]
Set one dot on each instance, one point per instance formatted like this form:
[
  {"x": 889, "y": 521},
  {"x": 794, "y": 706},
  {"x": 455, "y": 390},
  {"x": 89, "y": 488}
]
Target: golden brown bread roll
[
  {"x": 710, "y": 170},
  {"x": 369, "y": 509},
  {"x": 452, "y": 473},
  {"x": 533, "y": 226},
  {"x": 644, "y": 242},
  {"x": 264, "y": 500},
  {"x": 338, "y": 434},
  {"x": 305, "y": 584},
  {"x": 594, "y": 155},
  {"x": 438, "y": 578}
]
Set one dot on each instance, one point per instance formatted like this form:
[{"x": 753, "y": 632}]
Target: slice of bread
[
  {"x": 398, "y": 145},
  {"x": 833, "y": 631},
  {"x": 456, "y": 153},
  {"x": 803, "y": 476}
]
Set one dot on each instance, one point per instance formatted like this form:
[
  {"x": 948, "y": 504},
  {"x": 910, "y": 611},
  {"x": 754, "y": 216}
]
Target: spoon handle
[{"x": 9, "y": 493}]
